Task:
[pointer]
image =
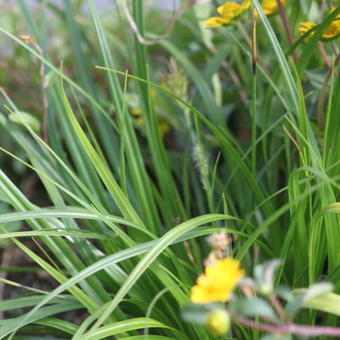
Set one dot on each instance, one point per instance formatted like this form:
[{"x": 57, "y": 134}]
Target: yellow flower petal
[
  {"x": 270, "y": 6},
  {"x": 218, "y": 281},
  {"x": 215, "y": 22},
  {"x": 332, "y": 10},
  {"x": 332, "y": 30},
  {"x": 232, "y": 10},
  {"x": 306, "y": 27},
  {"x": 245, "y": 5},
  {"x": 229, "y": 10}
]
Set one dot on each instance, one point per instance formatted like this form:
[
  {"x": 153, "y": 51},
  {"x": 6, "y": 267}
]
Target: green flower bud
[
  {"x": 218, "y": 321},
  {"x": 265, "y": 289}
]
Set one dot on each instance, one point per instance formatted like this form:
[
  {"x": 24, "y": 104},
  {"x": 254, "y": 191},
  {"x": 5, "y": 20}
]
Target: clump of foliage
[{"x": 130, "y": 135}]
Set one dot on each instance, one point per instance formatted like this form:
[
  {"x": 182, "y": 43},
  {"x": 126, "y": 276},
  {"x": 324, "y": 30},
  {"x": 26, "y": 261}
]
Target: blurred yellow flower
[
  {"x": 306, "y": 27},
  {"x": 228, "y": 13},
  {"x": 270, "y": 6},
  {"x": 331, "y": 31},
  {"x": 136, "y": 111},
  {"x": 214, "y": 22},
  {"x": 231, "y": 10},
  {"x": 163, "y": 127},
  {"x": 219, "y": 321},
  {"x": 218, "y": 281}
]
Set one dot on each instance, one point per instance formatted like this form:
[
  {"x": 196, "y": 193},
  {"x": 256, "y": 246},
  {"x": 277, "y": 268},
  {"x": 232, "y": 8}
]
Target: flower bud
[
  {"x": 265, "y": 289},
  {"x": 218, "y": 321}
]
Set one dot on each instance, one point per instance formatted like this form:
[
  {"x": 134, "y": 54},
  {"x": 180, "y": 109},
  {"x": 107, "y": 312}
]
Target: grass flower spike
[
  {"x": 228, "y": 13},
  {"x": 218, "y": 281}
]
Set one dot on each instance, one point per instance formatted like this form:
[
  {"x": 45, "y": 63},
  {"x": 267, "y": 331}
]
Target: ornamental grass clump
[{"x": 130, "y": 133}]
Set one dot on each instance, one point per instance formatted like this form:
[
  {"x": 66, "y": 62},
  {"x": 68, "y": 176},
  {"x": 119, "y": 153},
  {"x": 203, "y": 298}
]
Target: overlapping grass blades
[{"x": 115, "y": 196}]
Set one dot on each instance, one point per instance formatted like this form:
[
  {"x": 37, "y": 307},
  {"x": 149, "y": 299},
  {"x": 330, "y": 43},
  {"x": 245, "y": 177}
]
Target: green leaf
[
  {"x": 24, "y": 118},
  {"x": 264, "y": 275},
  {"x": 252, "y": 307},
  {"x": 28, "y": 301},
  {"x": 122, "y": 327},
  {"x": 293, "y": 306},
  {"x": 277, "y": 337},
  {"x": 8, "y": 325},
  {"x": 333, "y": 208},
  {"x": 146, "y": 261},
  {"x": 147, "y": 337},
  {"x": 316, "y": 290},
  {"x": 328, "y": 303},
  {"x": 62, "y": 325},
  {"x": 198, "y": 313}
]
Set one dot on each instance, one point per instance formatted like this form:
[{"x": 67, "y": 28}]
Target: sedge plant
[{"x": 123, "y": 148}]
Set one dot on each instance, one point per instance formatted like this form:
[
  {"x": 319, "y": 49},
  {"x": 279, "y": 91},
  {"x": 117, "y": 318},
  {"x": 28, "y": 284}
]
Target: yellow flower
[
  {"x": 245, "y": 5},
  {"x": 231, "y": 10},
  {"x": 228, "y": 13},
  {"x": 218, "y": 321},
  {"x": 214, "y": 22},
  {"x": 164, "y": 128},
  {"x": 331, "y": 31},
  {"x": 306, "y": 27},
  {"x": 218, "y": 281},
  {"x": 136, "y": 111},
  {"x": 270, "y": 6}
]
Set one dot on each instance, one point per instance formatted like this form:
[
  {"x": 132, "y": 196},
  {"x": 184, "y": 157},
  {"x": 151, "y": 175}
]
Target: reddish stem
[
  {"x": 278, "y": 307},
  {"x": 287, "y": 28},
  {"x": 291, "y": 328},
  {"x": 324, "y": 55}
]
